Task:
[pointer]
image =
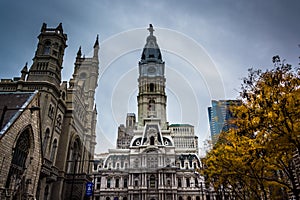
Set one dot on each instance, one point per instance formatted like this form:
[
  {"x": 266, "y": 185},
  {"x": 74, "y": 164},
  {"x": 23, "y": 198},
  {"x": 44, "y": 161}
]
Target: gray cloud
[{"x": 236, "y": 35}]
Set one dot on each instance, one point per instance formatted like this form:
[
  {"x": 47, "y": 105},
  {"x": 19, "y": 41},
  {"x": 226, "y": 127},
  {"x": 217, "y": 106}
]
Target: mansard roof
[
  {"x": 181, "y": 125},
  {"x": 151, "y": 51}
]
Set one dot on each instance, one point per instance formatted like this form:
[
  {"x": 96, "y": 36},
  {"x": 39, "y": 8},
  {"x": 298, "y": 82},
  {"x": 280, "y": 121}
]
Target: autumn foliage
[{"x": 257, "y": 160}]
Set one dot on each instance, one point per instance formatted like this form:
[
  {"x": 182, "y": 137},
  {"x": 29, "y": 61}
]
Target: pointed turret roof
[
  {"x": 96, "y": 42},
  {"x": 151, "y": 52}
]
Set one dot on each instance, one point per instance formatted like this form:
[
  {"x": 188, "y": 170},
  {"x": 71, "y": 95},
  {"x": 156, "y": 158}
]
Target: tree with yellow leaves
[{"x": 256, "y": 160}]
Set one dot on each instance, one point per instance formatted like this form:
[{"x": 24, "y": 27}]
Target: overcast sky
[{"x": 207, "y": 47}]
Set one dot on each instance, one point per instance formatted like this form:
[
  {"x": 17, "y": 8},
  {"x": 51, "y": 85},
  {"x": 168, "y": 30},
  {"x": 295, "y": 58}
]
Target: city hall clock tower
[{"x": 152, "y": 98}]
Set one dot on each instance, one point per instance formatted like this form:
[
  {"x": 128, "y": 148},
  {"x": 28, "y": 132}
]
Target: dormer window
[{"x": 152, "y": 139}]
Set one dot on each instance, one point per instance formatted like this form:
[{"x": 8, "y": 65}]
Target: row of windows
[
  {"x": 182, "y": 130},
  {"x": 114, "y": 198},
  {"x": 42, "y": 65},
  {"x": 54, "y": 145},
  {"x": 187, "y": 165},
  {"x": 152, "y": 182},
  {"x": 184, "y": 143},
  {"x": 125, "y": 198},
  {"x": 122, "y": 165},
  {"x": 109, "y": 183}
]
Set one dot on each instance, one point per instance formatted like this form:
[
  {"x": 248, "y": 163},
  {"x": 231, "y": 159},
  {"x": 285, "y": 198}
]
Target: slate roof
[{"x": 14, "y": 102}]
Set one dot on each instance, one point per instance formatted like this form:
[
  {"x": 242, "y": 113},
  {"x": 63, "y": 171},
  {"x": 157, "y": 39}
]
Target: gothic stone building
[
  {"x": 153, "y": 160},
  {"x": 46, "y": 154}
]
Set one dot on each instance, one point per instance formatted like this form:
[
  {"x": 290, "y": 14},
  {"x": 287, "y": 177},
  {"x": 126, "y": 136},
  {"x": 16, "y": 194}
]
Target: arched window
[
  {"x": 19, "y": 157},
  {"x": 197, "y": 198},
  {"x": 53, "y": 150},
  {"x": 136, "y": 183},
  {"x": 189, "y": 198},
  {"x": 179, "y": 182},
  {"x": 58, "y": 121},
  {"x": 75, "y": 156},
  {"x": 188, "y": 182},
  {"x": 47, "y": 48},
  {"x": 152, "y": 87},
  {"x": 180, "y": 198},
  {"x": 107, "y": 198},
  {"x": 46, "y": 138},
  {"x": 152, "y": 140},
  {"x": 151, "y": 105}
]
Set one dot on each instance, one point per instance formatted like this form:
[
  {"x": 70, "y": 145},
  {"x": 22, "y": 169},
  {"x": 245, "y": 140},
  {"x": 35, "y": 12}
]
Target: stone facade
[
  {"x": 147, "y": 163},
  {"x": 20, "y": 151},
  {"x": 67, "y": 115}
]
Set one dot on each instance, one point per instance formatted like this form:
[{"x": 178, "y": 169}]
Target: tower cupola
[{"x": 151, "y": 52}]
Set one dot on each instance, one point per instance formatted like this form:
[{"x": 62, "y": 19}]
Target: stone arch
[
  {"x": 53, "y": 150},
  {"x": 22, "y": 148},
  {"x": 75, "y": 149},
  {"x": 45, "y": 140}
]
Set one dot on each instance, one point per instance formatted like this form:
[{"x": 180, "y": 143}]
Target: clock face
[{"x": 151, "y": 70}]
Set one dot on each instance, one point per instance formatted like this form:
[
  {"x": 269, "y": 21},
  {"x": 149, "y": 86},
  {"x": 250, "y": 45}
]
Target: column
[
  {"x": 142, "y": 178},
  {"x": 158, "y": 179},
  {"x": 121, "y": 182}
]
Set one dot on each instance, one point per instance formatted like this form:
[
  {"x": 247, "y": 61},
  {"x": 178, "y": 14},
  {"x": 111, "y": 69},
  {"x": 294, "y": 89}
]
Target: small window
[
  {"x": 125, "y": 183},
  {"x": 168, "y": 182},
  {"x": 45, "y": 142},
  {"x": 98, "y": 183},
  {"x": 179, "y": 182},
  {"x": 196, "y": 182},
  {"x": 152, "y": 181},
  {"x": 47, "y": 48},
  {"x": 117, "y": 185},
  {"x": 195, "y": 165},
  {"x": 152, "y": 140},
  {"x": 108, "y": 183},
  {"x": 136, "y": 183},
  {"x": 151, "y": 87},
  {"x": 188, "y": 182},
  {"x": 53, "y": 150}
]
